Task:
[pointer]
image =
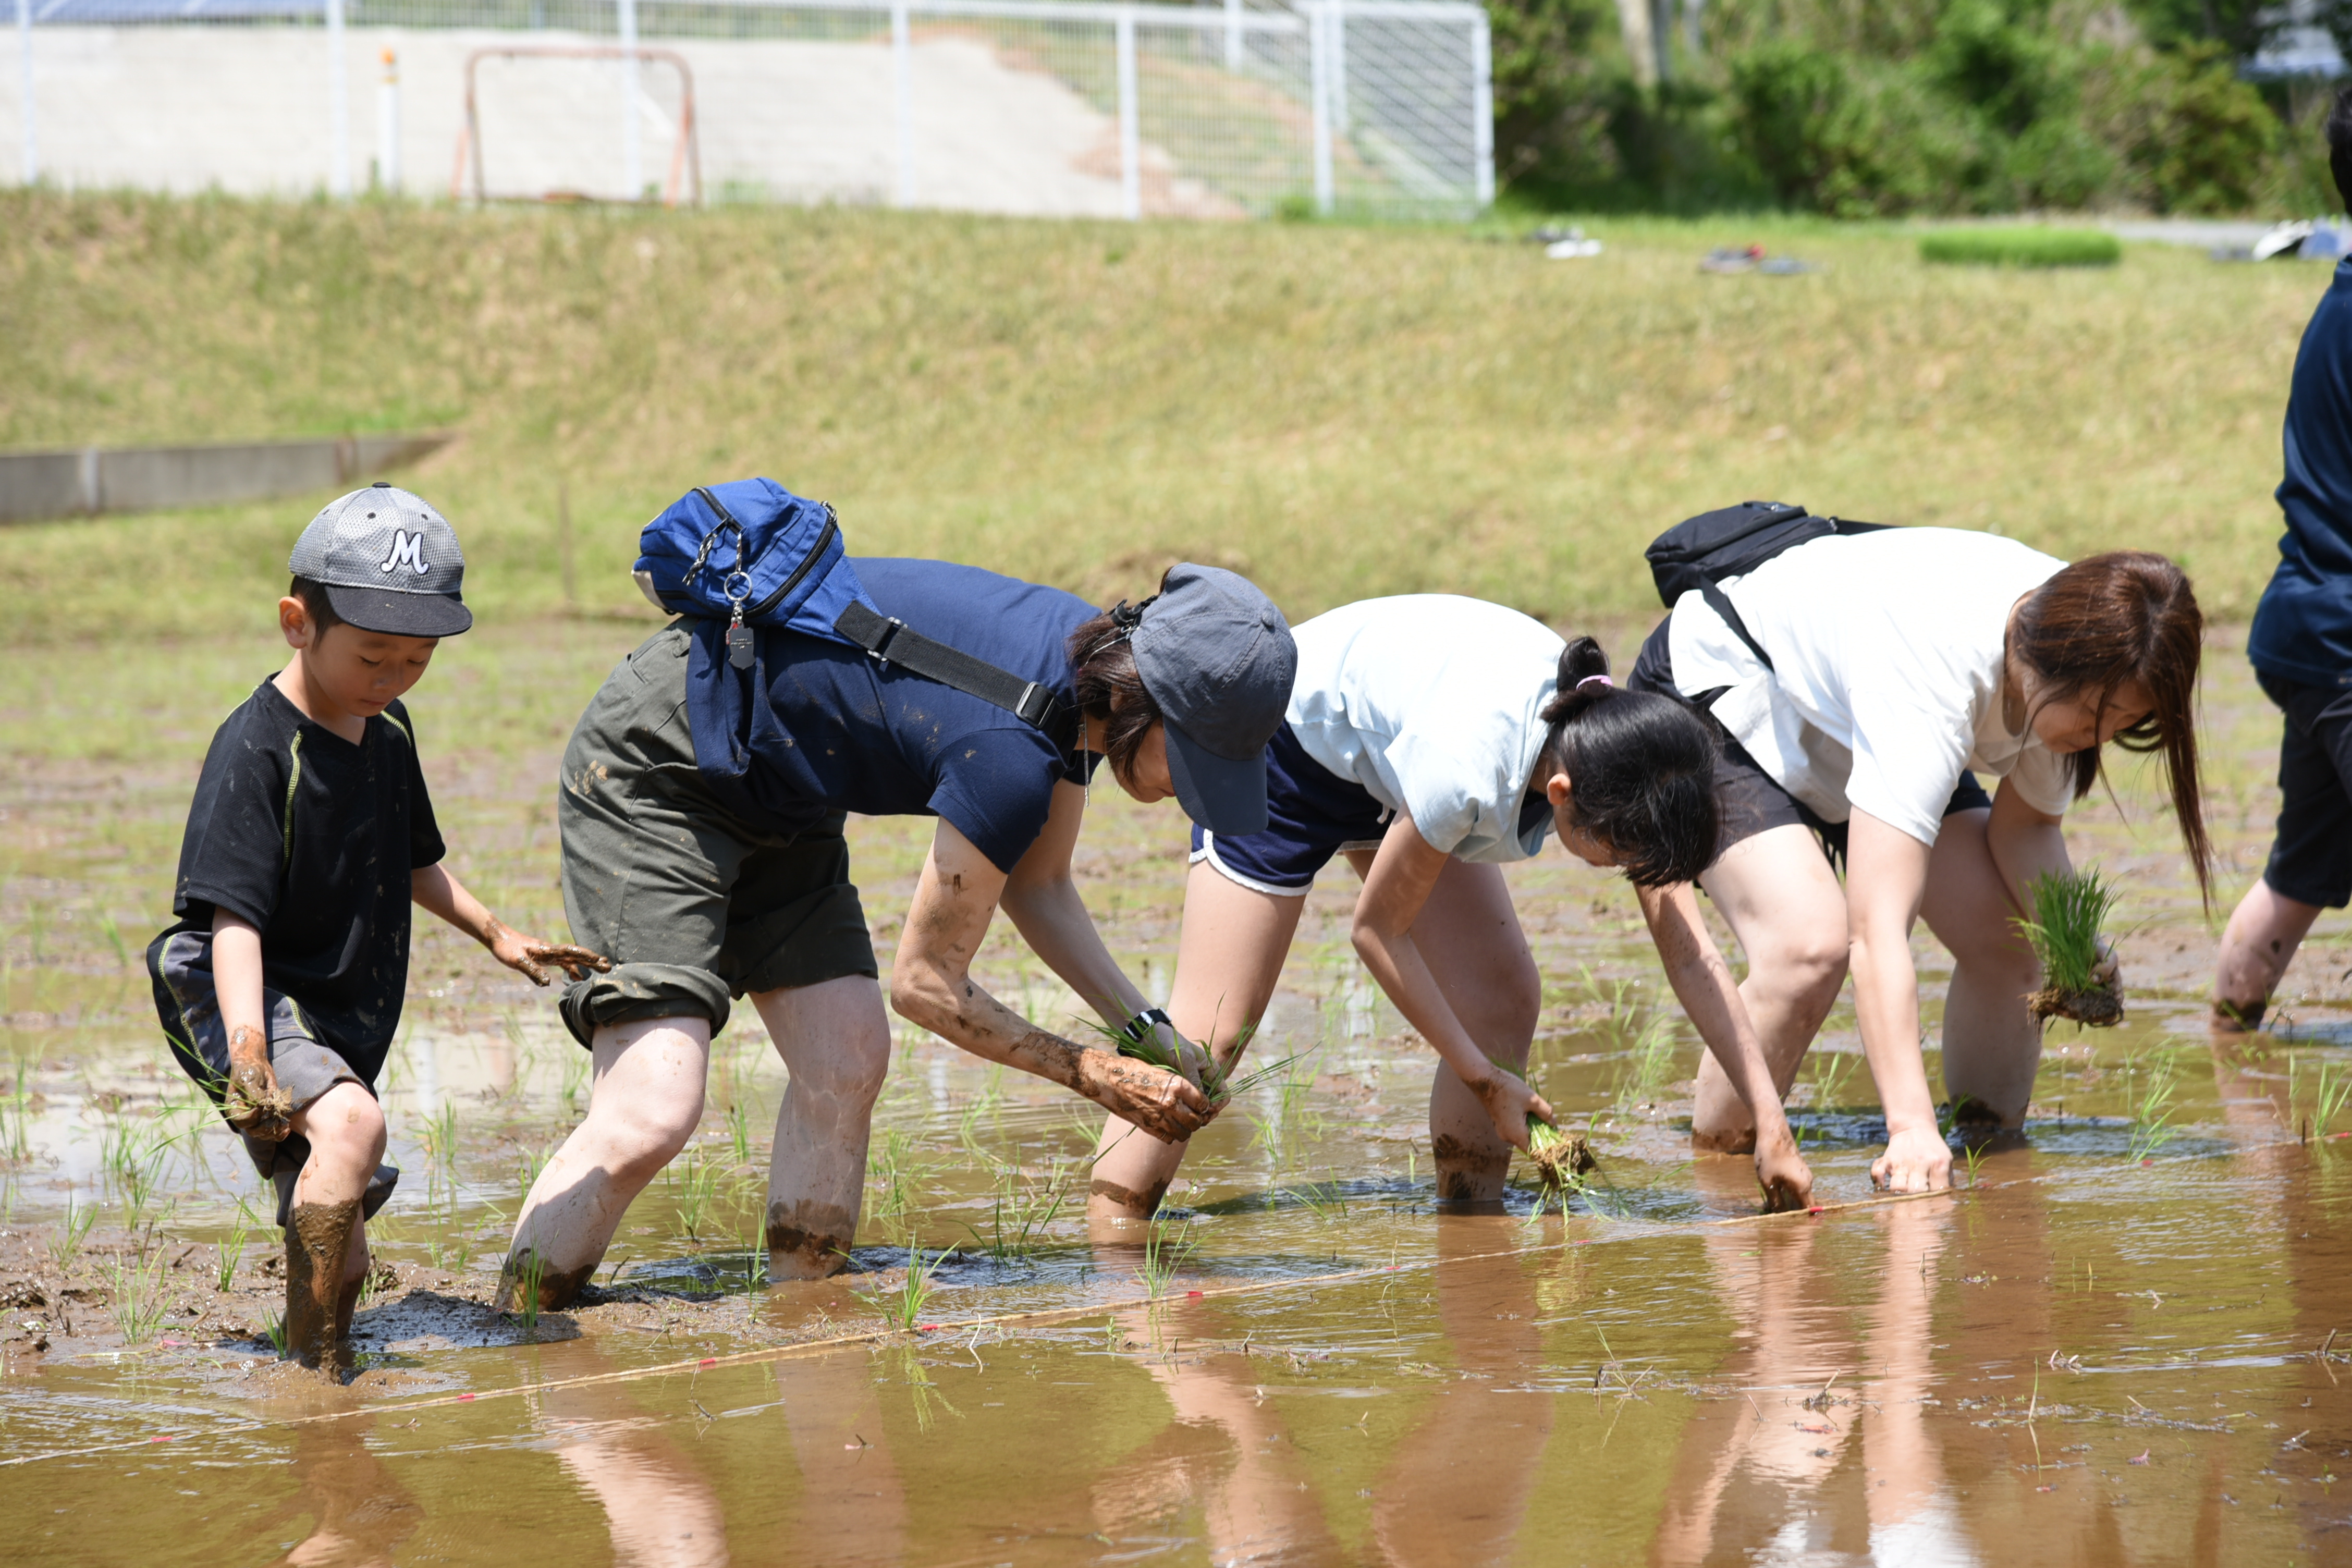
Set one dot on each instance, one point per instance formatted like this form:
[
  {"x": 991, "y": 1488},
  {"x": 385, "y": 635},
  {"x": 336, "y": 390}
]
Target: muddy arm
[
  {"x": 255, "y": 1105},
  {"x": 434, "y": 890},
  {"x": 1703, "y": 986},
  {"x": 931, "y": 985},
  {"x": 1046, "y": 909}
]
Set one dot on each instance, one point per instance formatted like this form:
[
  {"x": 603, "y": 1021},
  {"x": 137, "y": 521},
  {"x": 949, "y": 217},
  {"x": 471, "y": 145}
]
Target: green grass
[
  {"x": 2069, "y": 912},
  {"x": 2009, "y": 247},
  {"x": 1340, "y": 410}
]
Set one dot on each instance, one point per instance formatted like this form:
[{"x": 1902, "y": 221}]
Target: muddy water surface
[{"x": 2111, "y": 1345}]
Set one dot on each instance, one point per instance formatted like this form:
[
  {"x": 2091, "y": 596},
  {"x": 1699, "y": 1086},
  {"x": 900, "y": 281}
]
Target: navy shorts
[
  {"x": 1311, "y": 814},
  {"x": 2310, "y": 856}
]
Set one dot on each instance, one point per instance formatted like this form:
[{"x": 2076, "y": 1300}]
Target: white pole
[
  {"x": 1319, "y": 94},
  {"x": 387, "y": 124},
  {"x": 31, "y": 148},
  {"x": 1130, "y": 138},
  {"x": 902, "y": 64},
  {"x": 632, "y": 151},
  {"x": 1232, "y": 35},
  {"x": 1338, "y": 67},
  {"x": 1481, "y": 109},
  {"x": 338, "y": 104}
]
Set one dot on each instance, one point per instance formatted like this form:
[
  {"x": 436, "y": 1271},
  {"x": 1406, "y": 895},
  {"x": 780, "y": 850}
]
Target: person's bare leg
[
  {"x": 2256, "y": 947},
  {"x": 1229, "y": 955},
  {"x": 835, "y": 1038},
  {"x": 1469, "y": 935},
  {"x": 1785, "y": 906},
  {"x": 1991, "y": 1045},
  {"x": 646, "y": 1103},
  {"x": 326, "y": 1247}
]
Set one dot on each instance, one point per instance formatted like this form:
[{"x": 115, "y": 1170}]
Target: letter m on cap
[{"x": 407, "y": 550}]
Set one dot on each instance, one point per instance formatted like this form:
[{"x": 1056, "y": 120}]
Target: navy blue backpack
[{"x": 748, "y": 557}]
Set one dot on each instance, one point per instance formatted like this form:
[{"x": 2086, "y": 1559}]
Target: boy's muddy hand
[
  {"x": 1160, "y": 1102},
  {"x": 1782, "y": 1171},
  {"x": 254, "y": 1104},
  {"x": 1510, "y": 1100},
  {"x": 532, "y": 958},
  {"x": 1917, "y": 1160}
]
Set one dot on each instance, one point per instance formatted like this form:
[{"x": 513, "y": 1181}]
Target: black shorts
[
  {"x": 1748, "y": 800},
  {"x": 693, "y": 906},
  {"x": 2311, "y": 856}
]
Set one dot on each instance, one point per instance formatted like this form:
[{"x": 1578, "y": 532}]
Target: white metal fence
[{"x": 1077, "y": 105}]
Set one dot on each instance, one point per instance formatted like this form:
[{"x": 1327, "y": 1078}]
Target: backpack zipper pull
[{"x": 739, "y": 639}]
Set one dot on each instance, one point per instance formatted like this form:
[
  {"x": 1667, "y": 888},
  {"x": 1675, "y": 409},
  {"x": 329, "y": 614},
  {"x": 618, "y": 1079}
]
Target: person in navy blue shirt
[
  {"x": 2300, "y": 647},
  {"x": 700, "y": 896}
]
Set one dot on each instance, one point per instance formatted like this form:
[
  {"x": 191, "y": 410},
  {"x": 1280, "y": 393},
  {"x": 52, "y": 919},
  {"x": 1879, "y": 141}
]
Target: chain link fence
[{"x": 1377, "y": 107}]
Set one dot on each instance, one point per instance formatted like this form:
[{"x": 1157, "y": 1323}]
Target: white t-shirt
[
  {"x": 1886, "y": 672},
  {"x": 1431, "y": 702}
]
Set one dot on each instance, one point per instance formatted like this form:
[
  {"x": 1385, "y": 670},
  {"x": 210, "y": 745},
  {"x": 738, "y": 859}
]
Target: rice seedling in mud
[
  {"x": 438, "y": 1134},
  {"x": 1829, "y": 1072},
  {"x": 1167, "y": 1245},
  {"x": 1562, "y": 1160},
  {"x": 739, "y": 1132},
  {"x": 903, "y": 1308},
  {"x": 2152, "y": 1088},
  {"x": 231, "y": 1252},
  {"x": 132, "y": 1152},
  {"x": 16, "y": 1121},
  {"x": 1031, "y": 1207},
  {"x": 693, "y": 1188},
  {"x": 2078, "y": 979},
  {"x": 530, "y": 1272},
  {"x": 138, "y": 1296},
  {"x": 575, "y": 1083},
  {"x": 65, "y": 1241},
  {"x": 1325, "y": 1200},
  {"x": 894, "y": 1172},
  {"x": 274, "y": 1332},
  {"x": 2334, "y": 1093}
]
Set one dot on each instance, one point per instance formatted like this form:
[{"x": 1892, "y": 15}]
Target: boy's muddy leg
[
  {"x": 2259, "y": 942},
  {"x": 1470, "y": 937},
  {"x": 326, "y": 1244},
  {"x": 646, "y": 1102},
  {"x": 318, "y": 1241},
  {"x": 834, "y": 1039},
  {"x": 1228, "y": 956}
]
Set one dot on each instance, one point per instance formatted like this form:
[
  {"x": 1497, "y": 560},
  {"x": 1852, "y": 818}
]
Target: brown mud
[
  {"x": 1142, "y": 1205},
  {"x": 555, "y": 1288},
  {"x": 1560, "y": 1165},
  {"x": 318, "y": 1240},
  {"x": 2100, "y": 1007},
  {"x": 808, "y": 1240}
]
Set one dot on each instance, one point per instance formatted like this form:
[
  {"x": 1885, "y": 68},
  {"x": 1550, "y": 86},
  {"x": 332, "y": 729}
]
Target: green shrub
[
  {"x": 2023, "y": 247},
  {"x": 1851, "y": 136}
]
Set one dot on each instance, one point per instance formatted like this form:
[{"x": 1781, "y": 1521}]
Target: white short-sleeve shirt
[
  {"x": 1433, "y": 704},
  {"x": 1887, "y": 654}
]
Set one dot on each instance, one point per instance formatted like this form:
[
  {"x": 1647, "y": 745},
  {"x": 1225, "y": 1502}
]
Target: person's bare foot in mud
[
  {"x": 529, "y": 1286},
  {"x": 317, "y": 1242},
  {"x": 2228, "y": 1018}
]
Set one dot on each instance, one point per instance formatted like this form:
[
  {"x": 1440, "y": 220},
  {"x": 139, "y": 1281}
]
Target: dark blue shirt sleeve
[{"x": 997, "y": 787}]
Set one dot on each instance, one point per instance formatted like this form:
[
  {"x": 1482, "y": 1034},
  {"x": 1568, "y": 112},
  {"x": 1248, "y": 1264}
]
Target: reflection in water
[
  {"x": 851, "y": 1495},
  {"x": 659, "y": 1506},
  {"x": 358, "y": 1513},
  {"x": 1770, "y": 1477},
  {"x": 1458, "y": 1488}
]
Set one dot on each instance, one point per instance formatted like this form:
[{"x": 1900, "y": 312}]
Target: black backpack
[{"x": 1698, "y": 553}]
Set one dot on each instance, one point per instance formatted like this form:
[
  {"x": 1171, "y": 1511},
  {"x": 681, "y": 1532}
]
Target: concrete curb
[{"x": 89, "y": 481}]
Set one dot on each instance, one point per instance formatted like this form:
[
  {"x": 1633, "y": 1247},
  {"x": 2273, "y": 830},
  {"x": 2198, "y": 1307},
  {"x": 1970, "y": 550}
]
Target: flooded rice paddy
[{"x": 2118, "y": 1342}]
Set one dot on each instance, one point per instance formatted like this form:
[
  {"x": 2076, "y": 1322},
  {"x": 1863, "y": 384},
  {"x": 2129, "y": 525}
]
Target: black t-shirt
[
  {"x": 877, "y": 740},
  {"x": 312, "y": 838}
]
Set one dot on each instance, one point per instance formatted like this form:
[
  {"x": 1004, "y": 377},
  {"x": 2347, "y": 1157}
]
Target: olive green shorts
[{"x": 693, "y": 906}]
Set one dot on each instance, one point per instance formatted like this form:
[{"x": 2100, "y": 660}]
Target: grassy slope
[{"x": 1341, "y": 411}]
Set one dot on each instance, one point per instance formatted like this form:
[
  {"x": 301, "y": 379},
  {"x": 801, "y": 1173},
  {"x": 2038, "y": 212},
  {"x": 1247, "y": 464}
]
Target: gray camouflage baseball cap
[
  {"x": 390, "y": 563},
  {"x": 1218, "y": 658}
]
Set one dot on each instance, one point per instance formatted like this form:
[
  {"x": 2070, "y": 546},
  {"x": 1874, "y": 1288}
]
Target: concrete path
[{"x": 245, "y": 109}]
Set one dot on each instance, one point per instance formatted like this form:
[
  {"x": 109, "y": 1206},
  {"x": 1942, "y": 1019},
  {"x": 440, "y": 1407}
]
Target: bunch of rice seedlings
[
  {"x": 1562, "y": 1162},
  {"x": 1216, "y": 1085},
  {"x": 2068, "y": 910},
  {"x": 2019, "y": 246}
]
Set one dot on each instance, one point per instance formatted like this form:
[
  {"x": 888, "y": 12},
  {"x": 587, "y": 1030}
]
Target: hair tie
[
  {"x": 1590, "y": 679},
  {"x": 1124, "y": 618}
]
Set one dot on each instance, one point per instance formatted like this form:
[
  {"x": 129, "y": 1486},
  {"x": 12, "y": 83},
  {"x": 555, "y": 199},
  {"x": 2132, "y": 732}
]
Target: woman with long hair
[
  {"x": 1432, "y": 740},
  {"x": 1880, "y": 673},
  {"x": 701, "y": 896}
]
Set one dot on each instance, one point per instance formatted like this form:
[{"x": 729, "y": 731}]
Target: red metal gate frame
[{"x": 685, "y": 157}]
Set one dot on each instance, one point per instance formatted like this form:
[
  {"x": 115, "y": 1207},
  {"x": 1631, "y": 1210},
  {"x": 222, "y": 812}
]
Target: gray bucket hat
[
  {"x": 390, "y": 563},
  {"x": 1218, "y": 658}
]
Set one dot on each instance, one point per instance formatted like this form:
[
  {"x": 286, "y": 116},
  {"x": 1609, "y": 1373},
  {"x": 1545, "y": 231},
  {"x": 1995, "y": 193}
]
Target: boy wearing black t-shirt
[{"x": 280, "y": 983}]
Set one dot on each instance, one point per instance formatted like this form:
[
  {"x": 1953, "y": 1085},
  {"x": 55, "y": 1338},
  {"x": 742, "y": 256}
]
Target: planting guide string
[{"x": 944, "y": 1329}]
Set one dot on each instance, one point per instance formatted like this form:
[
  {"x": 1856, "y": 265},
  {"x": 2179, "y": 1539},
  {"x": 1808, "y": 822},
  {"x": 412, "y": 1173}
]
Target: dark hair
[
  {"x": 313, "y": 595},
  {"x": 1108, "y": 687},
  {"x": 2340, "y": 144},
  {"x": 2109, "y": 620},
  {"x": 1642, "y": 766}
]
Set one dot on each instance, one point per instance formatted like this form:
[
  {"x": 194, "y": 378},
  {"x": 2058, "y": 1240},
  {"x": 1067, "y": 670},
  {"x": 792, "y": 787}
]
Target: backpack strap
[
  {"x": 1721, "y": 603},
  {"x": 895, "y": 642}
]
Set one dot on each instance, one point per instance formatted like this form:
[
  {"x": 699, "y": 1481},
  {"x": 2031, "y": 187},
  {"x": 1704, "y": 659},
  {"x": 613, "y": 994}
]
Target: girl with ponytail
[{"x": 1430, "y": 739}]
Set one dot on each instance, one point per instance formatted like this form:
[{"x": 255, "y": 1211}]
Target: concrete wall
[{"x": 89, "y": 480}]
